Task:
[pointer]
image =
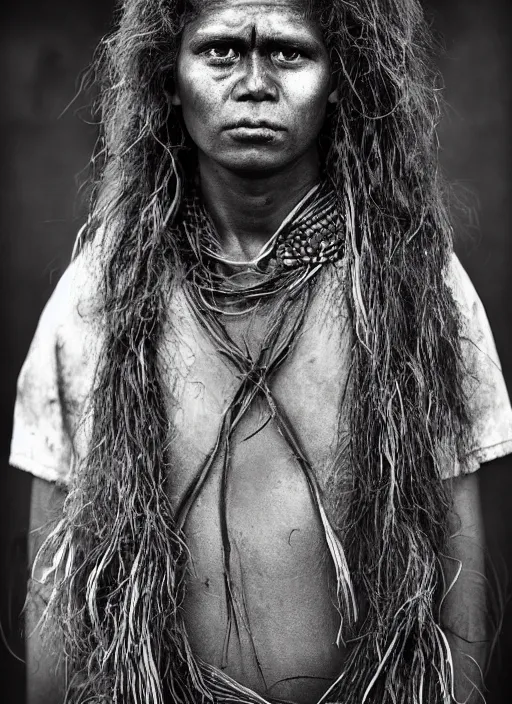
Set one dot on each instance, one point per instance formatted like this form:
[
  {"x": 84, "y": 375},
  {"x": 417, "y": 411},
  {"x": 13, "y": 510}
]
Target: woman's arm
[
  {"x": 45, "y": 671},
  {"x": 465, "y": 609}
]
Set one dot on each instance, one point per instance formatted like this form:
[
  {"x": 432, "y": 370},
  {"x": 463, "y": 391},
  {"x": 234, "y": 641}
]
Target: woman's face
[{"x": 253, "y": 82}]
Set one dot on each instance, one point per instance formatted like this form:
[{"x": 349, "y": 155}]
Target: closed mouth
[{"x": 255, "y": 125}]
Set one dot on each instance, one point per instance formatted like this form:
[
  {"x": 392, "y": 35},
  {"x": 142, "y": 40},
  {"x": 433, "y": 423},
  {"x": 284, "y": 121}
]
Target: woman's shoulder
[
  {"x": 76, "y": 299},
  {"x": 57, "y": 376}
]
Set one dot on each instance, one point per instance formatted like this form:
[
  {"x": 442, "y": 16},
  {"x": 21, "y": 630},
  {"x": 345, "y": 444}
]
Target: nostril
[
  {"x": 256, "y": 83},
  {"x": 255, "y": 88}
]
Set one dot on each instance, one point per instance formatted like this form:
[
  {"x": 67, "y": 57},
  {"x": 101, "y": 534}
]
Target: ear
[
  {"x": 333, "y": 97},
  {"x": 175, "y": 98}
]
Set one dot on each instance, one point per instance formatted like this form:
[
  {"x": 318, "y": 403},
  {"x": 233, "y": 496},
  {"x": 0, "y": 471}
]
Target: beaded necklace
[{"x": 310, "y": 236}]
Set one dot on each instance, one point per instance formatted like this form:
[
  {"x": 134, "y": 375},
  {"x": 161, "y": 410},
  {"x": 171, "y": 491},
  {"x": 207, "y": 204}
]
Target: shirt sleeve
[
  {"x": 487, "y": 397},
  {"x": 41, "y": 442}
]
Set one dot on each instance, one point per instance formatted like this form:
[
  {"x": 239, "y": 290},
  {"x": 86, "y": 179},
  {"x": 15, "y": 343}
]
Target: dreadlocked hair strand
[
  {"x": 118, "y": 557},
  {"x": 408, "y": 417}
]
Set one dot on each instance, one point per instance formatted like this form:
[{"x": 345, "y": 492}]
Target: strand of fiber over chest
[
  {"x": 251, "y": 385},
  {"x": 243, "y": 397},
  {"x": 242, "y": 401}
]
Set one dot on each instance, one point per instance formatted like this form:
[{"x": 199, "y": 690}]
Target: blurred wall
[
  {"x": 44, "y": 46},
  {"x": 44, "y": 144},
  {"x": 476, "y": 139}
]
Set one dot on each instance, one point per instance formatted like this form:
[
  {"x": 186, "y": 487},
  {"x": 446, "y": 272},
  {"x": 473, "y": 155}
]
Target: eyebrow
[{"x": 248, "y": 37}]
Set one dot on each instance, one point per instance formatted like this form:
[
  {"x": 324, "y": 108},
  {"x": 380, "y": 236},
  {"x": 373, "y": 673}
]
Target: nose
[{"x": 256, "y": 82}]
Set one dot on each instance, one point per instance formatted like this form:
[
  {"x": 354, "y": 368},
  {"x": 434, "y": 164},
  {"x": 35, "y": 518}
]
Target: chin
[{"x": 257, "y": 165}]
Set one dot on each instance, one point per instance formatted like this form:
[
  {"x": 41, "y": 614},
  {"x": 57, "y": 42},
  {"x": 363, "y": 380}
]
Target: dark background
[{"x": 44, "y": 46}]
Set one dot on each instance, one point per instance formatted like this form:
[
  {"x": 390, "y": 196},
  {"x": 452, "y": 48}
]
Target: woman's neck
[{"x": 248, "y": 209}]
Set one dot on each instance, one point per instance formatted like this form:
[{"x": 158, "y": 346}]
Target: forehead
[
  {"x": 300, "y": 6},
  {"x": 237, "y": 15}
]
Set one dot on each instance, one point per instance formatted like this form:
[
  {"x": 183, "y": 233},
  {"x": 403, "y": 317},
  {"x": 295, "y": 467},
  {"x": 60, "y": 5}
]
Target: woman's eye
[
  {"x": 288, "y": 55},
  {"x": 220, "y": 54}
]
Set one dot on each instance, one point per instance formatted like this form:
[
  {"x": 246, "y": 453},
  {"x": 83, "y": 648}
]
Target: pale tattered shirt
[{"x": 56, "y": 380}]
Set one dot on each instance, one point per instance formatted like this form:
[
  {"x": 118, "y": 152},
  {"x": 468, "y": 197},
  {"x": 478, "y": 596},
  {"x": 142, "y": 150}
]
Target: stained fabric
[{"x": 57, "y": 375}]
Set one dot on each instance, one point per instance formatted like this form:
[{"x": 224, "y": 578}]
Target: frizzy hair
[{"x": 119, "y": 560}]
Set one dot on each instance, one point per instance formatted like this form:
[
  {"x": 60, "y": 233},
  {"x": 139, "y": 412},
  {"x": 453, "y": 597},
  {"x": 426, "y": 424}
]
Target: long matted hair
[{"x": 120, "y": 562}]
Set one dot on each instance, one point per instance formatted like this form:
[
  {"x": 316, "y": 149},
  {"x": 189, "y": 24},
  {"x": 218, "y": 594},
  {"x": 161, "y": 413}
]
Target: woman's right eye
[{"x": 221, "y": 54}]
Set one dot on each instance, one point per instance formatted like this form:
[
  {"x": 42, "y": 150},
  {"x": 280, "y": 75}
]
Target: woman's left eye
[{"x": 288, "y": 55}]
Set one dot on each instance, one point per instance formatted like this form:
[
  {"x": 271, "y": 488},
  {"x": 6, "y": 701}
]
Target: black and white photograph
[{"x": 256, "y": 282}]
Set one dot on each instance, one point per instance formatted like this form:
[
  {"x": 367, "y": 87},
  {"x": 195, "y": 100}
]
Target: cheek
[
  {"x": 197, "y": 97},
  {"x": 308, "y": 98}
]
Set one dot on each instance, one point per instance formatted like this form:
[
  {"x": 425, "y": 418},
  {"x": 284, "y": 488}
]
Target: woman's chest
[
  {"x": 255, "y": 511},
  {"x": 305, "y": 397}
]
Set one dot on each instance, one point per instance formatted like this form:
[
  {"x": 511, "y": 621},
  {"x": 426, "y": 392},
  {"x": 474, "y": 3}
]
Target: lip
[
  {"x": 255, "y": 125},
  {"x": 254, "y": 131}
]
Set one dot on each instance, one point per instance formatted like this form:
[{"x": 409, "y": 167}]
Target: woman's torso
[{"x": 283, "y": 639}]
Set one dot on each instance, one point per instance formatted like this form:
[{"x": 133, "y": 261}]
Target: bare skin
[
  {"x": 45, "y": 674},
  {"x": 285, "y": 644},
  {"x": 465, "y": 607}
]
